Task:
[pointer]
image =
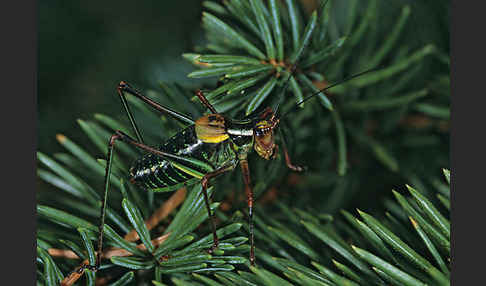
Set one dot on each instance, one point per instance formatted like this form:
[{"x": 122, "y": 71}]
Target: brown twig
[
  {"x": 64, "y": 253},
  {"x": 174, "y": 201},
  {"x": 75, "y": 275},
  {"x": 108, "y": 253}
]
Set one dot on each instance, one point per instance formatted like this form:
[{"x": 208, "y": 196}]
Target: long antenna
[
  {"x": 293, "y": 68},
  {"x": 330, "y": 86}
]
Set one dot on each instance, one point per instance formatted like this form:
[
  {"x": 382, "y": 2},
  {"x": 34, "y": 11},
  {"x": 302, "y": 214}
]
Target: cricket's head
[
  {"x": 263, "y": 134},
  {"x": 257, "y": 131}
]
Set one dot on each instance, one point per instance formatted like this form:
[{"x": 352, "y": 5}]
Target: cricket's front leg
[
  {"x": 205, "y": 101},
  {"x": 204, "y": 184},
  {"x": 288, "y": 161},
  {"x": 249, "y": 194}
]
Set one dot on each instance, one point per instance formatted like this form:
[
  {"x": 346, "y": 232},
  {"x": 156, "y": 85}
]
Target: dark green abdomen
[{"x": 154, "y": 172}]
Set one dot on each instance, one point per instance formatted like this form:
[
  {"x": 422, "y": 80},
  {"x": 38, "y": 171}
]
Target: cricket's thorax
[
  {"x": 211, "y": 128},
  {"x": 215, "y": 128},
  {"x": 154, "y": 172},
  {"x": 241, "y": 134}
]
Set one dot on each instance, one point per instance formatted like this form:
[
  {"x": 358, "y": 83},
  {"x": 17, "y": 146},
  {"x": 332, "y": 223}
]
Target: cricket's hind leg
[
  {"x": 124, "y": 87},
  {"x": 119, "y": 135}
]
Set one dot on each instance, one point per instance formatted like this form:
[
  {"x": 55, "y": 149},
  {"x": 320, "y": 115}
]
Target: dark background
[{"x": 85, "y": 48}]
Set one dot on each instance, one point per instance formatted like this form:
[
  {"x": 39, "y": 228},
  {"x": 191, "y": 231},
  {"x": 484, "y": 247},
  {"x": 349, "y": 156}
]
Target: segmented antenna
[
  {"x": 330, "y": 86},
  {"x": 294, "y": 65}
]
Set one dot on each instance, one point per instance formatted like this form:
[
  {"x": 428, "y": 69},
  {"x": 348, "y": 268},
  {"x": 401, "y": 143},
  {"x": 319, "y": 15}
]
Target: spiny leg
[
  {"x": 266, "y": 112},
  {"x": 125, "y": 87},
  {"x": 204, "y": 184},
  {"x": 288, "y": 161},
  {"x": 119, "y": 135},
  {"x": 111, "y": 146},
  {"x": 205, "y": 101},
  {"x": 249, "y": 195}
]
